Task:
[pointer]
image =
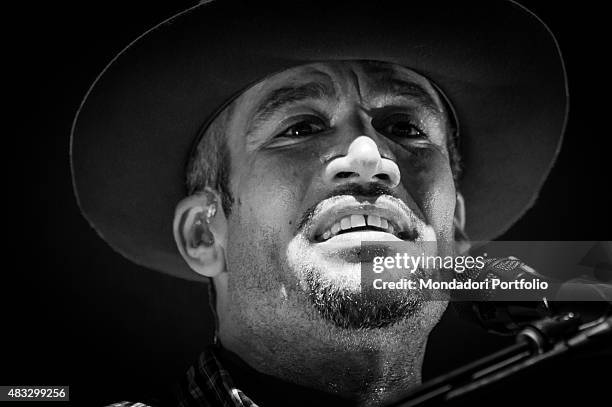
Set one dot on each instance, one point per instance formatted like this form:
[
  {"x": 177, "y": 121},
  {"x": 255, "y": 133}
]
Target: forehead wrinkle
[
  {"x": 386, "y": 81},
  {"x": 357, "y": 85}
]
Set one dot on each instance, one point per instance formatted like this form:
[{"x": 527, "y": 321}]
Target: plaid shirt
[{"x": 206, "y": 383}]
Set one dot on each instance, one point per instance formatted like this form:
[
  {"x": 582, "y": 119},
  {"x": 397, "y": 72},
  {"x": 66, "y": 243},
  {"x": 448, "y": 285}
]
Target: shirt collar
[{"x": 208, "y": 383}]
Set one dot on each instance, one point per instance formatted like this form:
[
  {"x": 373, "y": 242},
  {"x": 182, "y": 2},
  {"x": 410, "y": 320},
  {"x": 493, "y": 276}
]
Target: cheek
[
  {"x": 427, "y": 176},
  {"x": 270, "y": 191}
]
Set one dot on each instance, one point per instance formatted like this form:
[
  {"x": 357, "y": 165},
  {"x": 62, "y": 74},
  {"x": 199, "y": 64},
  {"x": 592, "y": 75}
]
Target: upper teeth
[{"x": 355, "y": 221}]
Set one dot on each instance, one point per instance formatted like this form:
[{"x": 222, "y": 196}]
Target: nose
[{"x": 363, "y": 164}]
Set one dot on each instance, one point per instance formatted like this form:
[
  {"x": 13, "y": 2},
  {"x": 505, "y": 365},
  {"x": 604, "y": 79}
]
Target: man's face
[{"x": 325, "y": 156}]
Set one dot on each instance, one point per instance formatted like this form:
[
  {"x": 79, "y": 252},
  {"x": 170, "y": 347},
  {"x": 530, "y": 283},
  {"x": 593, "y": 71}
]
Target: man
[{"x": 300, "y": 132}]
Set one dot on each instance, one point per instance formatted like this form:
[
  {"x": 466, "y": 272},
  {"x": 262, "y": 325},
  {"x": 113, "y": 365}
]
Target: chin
[{"x": 331, "y": 281}]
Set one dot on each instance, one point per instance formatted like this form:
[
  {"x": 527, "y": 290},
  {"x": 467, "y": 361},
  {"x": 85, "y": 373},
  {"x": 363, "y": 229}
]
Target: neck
[
  {"x": 272, "y": 391},
  {"x": 362, "y": 367}
]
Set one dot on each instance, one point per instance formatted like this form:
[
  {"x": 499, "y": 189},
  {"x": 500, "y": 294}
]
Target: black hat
[{"x": 497, "y": 63}]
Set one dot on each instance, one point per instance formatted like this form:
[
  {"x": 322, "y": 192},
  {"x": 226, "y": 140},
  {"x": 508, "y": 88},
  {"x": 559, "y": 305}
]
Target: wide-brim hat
[{"x": 496, "y": 62}]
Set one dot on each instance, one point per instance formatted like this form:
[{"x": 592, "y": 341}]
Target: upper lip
[{"x": 332, "y": 210}]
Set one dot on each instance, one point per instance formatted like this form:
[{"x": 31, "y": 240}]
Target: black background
[{"x": 75, "y": 313}]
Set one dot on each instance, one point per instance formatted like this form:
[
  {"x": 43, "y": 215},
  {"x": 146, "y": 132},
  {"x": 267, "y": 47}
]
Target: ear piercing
[{"x": 211, "y": 211}]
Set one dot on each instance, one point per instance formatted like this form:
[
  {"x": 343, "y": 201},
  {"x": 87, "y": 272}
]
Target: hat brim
[{"x": 497, "y": 63}]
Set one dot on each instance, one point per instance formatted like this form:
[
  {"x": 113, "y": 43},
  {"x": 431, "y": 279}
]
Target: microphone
[
  {"x": 543, "y": 329},
  {"x": 510, "y": 317}
]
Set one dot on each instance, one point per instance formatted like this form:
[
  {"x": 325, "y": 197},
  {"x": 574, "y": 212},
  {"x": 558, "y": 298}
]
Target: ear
[
  {"x": 462, "y": 241},
  {"x": 200, "y": 232}
]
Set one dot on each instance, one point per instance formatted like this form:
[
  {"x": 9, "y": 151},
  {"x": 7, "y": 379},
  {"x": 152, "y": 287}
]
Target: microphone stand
[{"x": 537, "y": 341}]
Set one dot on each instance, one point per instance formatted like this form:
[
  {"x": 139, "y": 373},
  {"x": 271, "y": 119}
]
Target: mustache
[{"x": 371, "y": 190}]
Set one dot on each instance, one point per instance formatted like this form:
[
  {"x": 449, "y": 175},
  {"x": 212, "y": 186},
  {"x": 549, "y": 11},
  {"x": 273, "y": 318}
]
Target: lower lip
[
  {"x": 348, "y": 246},
  {"x": 351, "y": 239}
]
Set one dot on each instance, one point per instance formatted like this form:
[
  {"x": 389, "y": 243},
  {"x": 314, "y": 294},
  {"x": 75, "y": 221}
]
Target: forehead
[{"x": 368, "y": 81}]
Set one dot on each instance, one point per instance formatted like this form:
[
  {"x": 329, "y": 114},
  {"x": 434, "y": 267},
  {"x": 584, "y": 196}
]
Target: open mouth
[
  {"x": 368, "y": 220},
  {"x": 360, "y": 223}
]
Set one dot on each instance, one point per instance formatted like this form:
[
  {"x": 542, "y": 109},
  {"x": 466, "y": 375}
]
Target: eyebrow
[
  {"x": 398, "y": 87},
  {"x": 289, "y": 95}
]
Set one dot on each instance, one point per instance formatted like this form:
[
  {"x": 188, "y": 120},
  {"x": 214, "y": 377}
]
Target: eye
[
  {"x": 304, "y": 126},
  {"x": 398, "y": 125}
]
